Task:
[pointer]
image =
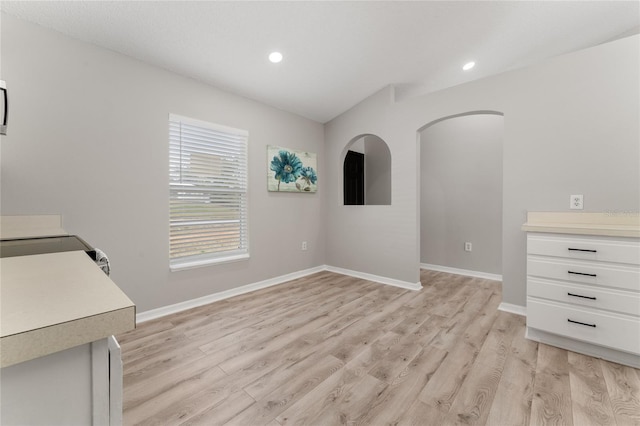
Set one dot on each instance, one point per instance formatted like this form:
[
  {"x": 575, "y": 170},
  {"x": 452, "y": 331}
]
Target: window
[
  {"x": 367, "y": 172},
  {"x": 207, "y": 192}
]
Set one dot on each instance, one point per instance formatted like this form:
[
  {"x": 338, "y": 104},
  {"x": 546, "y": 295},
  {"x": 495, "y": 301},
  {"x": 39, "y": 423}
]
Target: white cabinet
[
  {"x": 583, "y": 294},
  {"x": 51, "y": 390},
  {"x": 77, "y": 386}
]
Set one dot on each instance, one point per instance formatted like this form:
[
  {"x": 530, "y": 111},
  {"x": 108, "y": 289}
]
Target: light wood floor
[{"x": 330, "y": 350}]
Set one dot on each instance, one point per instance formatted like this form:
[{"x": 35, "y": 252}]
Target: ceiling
[{"x": 335, "y": 53}]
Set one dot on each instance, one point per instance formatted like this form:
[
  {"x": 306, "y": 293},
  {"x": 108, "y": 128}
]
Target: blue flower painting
[
  {"x": 291, "y": 171},
  {"x": 309, "y": 175},
  {"x": 287, "y": 166}
]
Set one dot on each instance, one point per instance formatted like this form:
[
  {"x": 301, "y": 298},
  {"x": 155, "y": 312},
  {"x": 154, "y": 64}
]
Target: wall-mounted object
[
  {"x": 4, "y": 113},
  {"x": 291, "y": 171}
]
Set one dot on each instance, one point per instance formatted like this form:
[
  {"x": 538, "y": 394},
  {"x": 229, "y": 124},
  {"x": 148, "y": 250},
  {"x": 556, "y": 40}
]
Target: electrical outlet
[
  {"x": 304, "y": 246},
  {"x": 576, "y": 202},
  {"x": 467, "y": 246}
]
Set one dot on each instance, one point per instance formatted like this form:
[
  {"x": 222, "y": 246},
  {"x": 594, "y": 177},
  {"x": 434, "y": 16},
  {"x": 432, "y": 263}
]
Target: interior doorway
[
  {"x": 353, "y": 178},
  {"x": 460, "y": 208}
]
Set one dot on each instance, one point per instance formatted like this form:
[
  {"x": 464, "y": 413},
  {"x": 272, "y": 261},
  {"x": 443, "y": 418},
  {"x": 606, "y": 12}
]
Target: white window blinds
[{"x": 208, "y": 193}]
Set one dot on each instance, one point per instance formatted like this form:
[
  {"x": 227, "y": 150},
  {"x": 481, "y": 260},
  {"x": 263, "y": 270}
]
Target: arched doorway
[{"x": 460, "y": 194}]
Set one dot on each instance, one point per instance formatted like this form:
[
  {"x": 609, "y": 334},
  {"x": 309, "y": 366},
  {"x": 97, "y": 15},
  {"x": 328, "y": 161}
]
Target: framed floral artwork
[{"x": 291, "y": 171}]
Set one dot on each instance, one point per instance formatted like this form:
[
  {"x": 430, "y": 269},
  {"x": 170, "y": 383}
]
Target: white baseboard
[
  {"x": 513, "y": 309},
  {"x": 376, "y": 278},
  {"x": 193, "y": 303},
  {"x": 465, "y": 272},
  {"x": 204, "y": 300}
]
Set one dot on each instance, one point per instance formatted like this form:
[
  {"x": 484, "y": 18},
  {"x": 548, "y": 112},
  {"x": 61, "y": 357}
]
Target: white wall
[
  {"x": 377, "y": 166},
  {"x": 358, "y": 145},
  {"x": 571, "y": 126},
  {"x": 461, "y": 193},
  {"x": 379, "y": 240},
  {"x": 88, "y": 139}
]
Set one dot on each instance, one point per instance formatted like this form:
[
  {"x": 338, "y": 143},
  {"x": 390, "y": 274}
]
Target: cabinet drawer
[
  {"x": 611, "y": 330},
  {"x": 585, "y": 295},
  {"x": 594, "y": 273},
  {"x": 586, "y": 248}
]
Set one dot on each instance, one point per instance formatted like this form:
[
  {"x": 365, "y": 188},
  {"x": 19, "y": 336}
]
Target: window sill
[{"x": 191, "y": 264}]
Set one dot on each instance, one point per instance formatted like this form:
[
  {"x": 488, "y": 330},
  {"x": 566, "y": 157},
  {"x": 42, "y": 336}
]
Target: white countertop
[
  {"x": 587, "y": 223},
  {"x": 51, "y": 302}
]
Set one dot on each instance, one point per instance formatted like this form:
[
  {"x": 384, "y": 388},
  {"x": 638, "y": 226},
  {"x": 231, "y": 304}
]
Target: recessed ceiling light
[
  {"x": 469, "y": 65},
  {"x": 275, "y": 57}
]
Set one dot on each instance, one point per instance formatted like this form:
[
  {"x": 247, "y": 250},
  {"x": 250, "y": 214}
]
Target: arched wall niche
[{"x": 366, "y": 177}]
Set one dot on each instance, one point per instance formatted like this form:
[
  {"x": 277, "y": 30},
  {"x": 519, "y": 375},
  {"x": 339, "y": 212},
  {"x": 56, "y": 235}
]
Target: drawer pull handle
[
  {"x": 581, "y": 323},
  {"x": 579, "y": 295},
  {"x": 589, "y": 251},
  {"x": 581, "y": 273}
]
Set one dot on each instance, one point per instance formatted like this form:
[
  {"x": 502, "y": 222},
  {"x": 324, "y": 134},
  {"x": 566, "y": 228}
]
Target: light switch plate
[{"x": 576, "y": 202}]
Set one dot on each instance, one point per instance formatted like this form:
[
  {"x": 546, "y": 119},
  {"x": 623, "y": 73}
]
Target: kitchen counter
[
  {"x": 583, "y": 283},
  {"x": 612, "y": 224},
  {"x": 52, "y": 302}
]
